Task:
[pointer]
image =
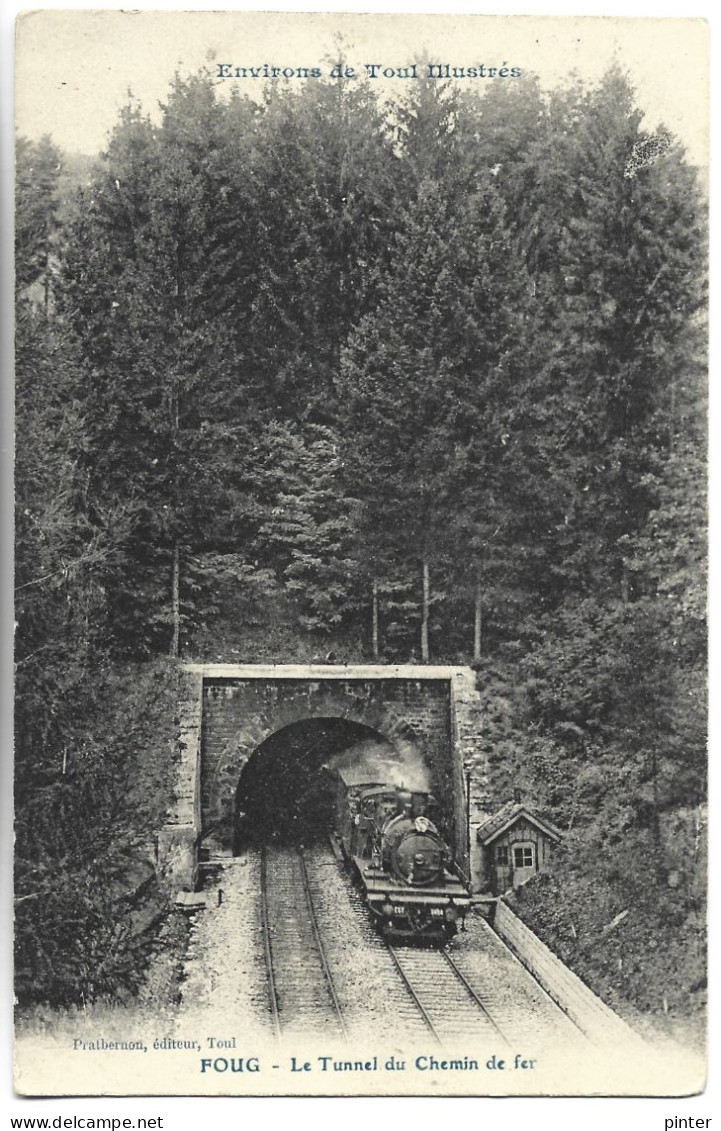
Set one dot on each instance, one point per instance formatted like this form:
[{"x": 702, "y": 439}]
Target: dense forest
[{"x": 421, "y": 380}]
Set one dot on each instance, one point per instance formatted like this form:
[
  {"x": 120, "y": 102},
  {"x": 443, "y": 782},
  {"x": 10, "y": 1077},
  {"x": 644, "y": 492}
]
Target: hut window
[
  {"x": 502, "y": 855},
  {"x": 523, "y": 856}
]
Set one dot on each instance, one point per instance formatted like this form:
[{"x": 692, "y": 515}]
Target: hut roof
[{"x": 507, "y": 816}]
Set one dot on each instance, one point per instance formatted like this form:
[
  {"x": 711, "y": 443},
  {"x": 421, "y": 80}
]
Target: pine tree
[
  {"x": 612, "y": 251},
  {"x": 308, "y": 532},
  {"x": 149, "y": 290},
  {"x": 38, "y": 166},
  {"x": 325, "y": 181},
  {"x": 423, "y": 376}
]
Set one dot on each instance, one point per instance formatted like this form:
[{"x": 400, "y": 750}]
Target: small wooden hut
[{"x": 515, "y": 844}]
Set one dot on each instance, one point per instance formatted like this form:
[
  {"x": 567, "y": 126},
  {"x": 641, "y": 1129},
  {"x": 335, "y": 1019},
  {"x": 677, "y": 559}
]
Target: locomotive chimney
[
  {"x": 404, "y": 800},
  {"x": 419, "y": 804},
  {"x": 517, "y": 796}
]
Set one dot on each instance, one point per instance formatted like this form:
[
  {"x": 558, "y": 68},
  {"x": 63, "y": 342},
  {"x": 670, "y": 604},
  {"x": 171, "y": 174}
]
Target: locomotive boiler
[{"x": 391, "y": 839}]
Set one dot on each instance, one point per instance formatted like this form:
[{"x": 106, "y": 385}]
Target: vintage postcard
[{"x": 360, "y": 555}]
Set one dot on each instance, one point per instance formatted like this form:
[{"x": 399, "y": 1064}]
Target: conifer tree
[
  {"x": 149, "y": 292},
  {"x": 308, "y": 531},
  {"x": 423, "y": 376},
  {"x": 38, "y": 166},
  {"x": 326, "y": 187}
]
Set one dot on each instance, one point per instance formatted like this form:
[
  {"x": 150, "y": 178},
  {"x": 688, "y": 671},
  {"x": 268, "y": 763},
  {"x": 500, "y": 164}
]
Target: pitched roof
[{"x": 507, "y": 816}]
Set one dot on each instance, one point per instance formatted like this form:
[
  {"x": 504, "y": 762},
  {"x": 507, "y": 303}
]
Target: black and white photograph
[{"x": 360, "y": 669}]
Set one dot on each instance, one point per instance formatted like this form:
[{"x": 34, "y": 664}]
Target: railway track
[
  {"x": 301, "y": 992},
  {"x": 448, "y": 1004},
  {"x": 454, "y": 993},
  {"x": 399, "y": 1013},
  {"x": 313, "y": 968}
]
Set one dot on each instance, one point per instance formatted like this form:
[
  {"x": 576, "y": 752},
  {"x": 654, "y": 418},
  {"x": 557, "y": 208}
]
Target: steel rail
[
  {"x": 419, "y": 1004},
  {"x": 267, "y": 948},
  {"x": 313, "y": 919},
  {"x": 469, "y": 988}
]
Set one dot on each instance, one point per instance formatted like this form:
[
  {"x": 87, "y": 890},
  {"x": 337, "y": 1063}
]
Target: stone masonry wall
[
  {"x": 226, "y": 711},
  {"x": 594, "y": 1018},
  {"x": 239, "y": 714},
  {"x": 177, "y": 844}
]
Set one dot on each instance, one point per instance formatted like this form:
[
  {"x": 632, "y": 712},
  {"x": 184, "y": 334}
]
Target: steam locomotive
[{"x": 390, "y": 838}]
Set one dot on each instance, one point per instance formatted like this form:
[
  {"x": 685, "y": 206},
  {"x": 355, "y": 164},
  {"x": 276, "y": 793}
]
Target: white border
[{"x": 183, "y": 1113}]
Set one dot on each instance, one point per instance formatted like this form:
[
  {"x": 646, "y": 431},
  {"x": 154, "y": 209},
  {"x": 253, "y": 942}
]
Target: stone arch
[
  {"x": 285, "y": 792},
  {"x": 309, "y": 703}
]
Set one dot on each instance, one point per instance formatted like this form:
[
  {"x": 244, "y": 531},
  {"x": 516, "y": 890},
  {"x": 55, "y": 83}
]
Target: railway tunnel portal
[{"x": 254, "y": 740}]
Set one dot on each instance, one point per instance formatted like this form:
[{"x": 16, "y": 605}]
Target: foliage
[
  {"x": 643, "y": 953},
  {"x": 309, "y": 523},
  {"x": 38, "y": 167},
  {"x": 87, "y": 815}
]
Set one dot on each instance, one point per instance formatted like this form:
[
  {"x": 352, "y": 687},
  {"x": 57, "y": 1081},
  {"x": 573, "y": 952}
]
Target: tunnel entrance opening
[{"x": 286, "y": 794}]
